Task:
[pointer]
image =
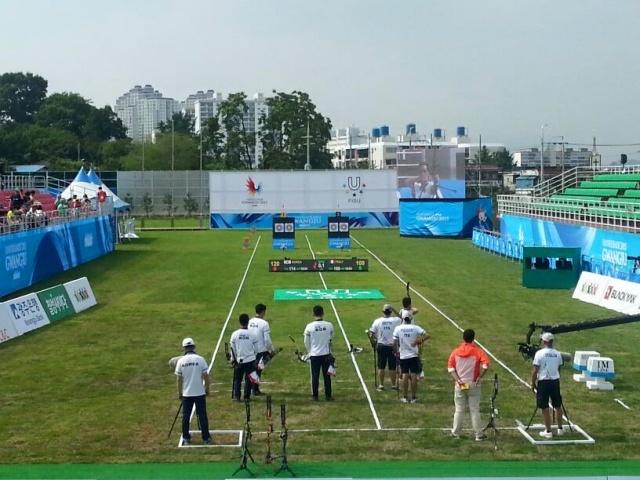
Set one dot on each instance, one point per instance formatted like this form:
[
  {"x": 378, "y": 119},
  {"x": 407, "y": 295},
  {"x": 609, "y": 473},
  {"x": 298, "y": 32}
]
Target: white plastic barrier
[{"x": 580, "y": 359}]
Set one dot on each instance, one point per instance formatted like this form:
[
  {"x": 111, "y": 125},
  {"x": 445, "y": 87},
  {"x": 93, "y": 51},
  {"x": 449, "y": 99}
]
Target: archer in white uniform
[
  {"x": 317, "y": 338},
  {"x": 381, "y": 335},
  {"x": 260, "y": 328},
  {"x": 545, "y": 381},
  {"x": 243, "y": 348},
  {"x": 406, "y": 339}
]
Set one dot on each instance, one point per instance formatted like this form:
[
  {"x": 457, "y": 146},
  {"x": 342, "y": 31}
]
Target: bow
[
  {"x": 299, "y": 355},
  {"x": 493, "y": 410}
]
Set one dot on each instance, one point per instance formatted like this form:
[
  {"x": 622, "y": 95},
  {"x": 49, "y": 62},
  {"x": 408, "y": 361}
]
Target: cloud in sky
[{"x": 501, "y": 68}]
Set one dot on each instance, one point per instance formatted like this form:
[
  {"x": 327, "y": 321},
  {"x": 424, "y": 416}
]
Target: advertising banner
[
  {"x": 444, "y": 218},
  {"x": 80, "y": 294},
  {"x": 591, "y": 288},
  {"x": 56, "y": 303},
  {"x": 319, "y": 191},
  {"x": 621, "y": 296},
  {"x": 7, "y": 329},
  {"x": 303, "y": 220},
  {"x": 38, "y": 254},
  {"x": 606, "y": 252},
  {"x": 26, "y": 313}
]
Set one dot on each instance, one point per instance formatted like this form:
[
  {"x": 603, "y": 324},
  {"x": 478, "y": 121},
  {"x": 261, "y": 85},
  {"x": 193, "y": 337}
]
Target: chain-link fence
[{"x": 168, "y": 194}]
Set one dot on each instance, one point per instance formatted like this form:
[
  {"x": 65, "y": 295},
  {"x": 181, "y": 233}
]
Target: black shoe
[
  {"x": 329, "y": 399},
  {"x": 236, "y": 399},
  {"x": 186, "y": 441},
  {"x": 258, "y": 393},
  {"x": 314, "y": 399}
]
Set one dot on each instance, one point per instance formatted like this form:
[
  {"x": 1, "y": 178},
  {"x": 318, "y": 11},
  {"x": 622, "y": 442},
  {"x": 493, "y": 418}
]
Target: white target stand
[
  {"x": 535, "y": 428},
  {"x": 213, "y": 444}
]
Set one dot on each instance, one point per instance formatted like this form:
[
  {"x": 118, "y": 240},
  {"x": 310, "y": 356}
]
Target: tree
[
  {"x": 240, "y": 142},
  {"x": 190, "y": 205},
  {"x": 21, "y": 96},
  {"x": 168, "y": 202},
  {"x": 183, "y": 123},
  {"x": 503, "y": 159},
  {"x": 284, "y": 131},
  {"x": 482, "y": 156},
  {"x": 66, "y": 111},
  {"x": 102, "y": 125},
  {"x": 147, "y": 204},
  {"x": 213, "y": 142}
]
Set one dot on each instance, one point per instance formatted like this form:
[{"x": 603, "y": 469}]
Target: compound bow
[{"x": 493, "y": 412}]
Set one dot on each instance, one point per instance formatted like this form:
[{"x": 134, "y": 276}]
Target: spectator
[{"x": 102, "y": 199}]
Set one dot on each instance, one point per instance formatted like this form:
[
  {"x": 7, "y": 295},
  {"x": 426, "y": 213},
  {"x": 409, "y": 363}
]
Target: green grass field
[{"x": 96, "y": 388}]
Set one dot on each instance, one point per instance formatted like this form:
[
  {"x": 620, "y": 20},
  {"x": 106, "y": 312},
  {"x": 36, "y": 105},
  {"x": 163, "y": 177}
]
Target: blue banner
[
  {"x": 303, "y": 220},
  {"x": 606, "y": 252},
  {"x": 34, "y": 255},
  {"x": 445, "y": 218}
]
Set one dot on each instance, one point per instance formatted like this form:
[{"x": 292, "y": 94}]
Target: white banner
[
  {"x": 7, "y": 329},
  {"x": 591, "y": 287},
  {"x": 622, "y": 296},
  {"x": 80, "y": 293},
  {"x": 26, "y": 313},
  {"x": 303, "y": 191}
]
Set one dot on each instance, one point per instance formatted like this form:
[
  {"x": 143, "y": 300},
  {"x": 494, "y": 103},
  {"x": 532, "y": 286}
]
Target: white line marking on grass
[
  {"x": 233, "y": 305},
  {"x": 226, "y": 322},
  {"x": 346, "y": 339},
  {"x": 502, "y": 364}
]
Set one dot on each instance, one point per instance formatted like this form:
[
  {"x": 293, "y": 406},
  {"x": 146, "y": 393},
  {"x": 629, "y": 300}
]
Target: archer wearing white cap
[
  {"x": 381, "y": 335},
  {"x": 545, "y": 381},
  {"x": 406, "y": 340},
  {"x": 193, "y": 388}
]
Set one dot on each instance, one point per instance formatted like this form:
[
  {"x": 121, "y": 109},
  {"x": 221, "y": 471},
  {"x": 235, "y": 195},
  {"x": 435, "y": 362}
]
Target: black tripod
[
  {"x": 284, "y": 436},
  {"x": 564, "y": 411},
  {"x": 246, "y": 454}
]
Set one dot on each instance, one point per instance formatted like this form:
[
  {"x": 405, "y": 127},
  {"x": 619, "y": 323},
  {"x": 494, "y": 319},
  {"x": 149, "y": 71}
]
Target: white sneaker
[
  {"x": 404, "y": 400},
  {"x": 380, "y": 388},
  {"x": 414, "y": 399},
  {"x": 560, "y": 432},
  {"x": 545, "y": 434}
]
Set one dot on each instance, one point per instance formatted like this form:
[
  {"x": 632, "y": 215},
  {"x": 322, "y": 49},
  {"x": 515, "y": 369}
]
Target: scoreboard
[{"x": 320, "y": 265}]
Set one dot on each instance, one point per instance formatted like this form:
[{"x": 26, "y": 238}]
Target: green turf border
[{"x": 326, "y": 470}]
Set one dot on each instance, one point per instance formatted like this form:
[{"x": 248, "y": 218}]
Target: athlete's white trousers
[{"x": 467, "y": 399}]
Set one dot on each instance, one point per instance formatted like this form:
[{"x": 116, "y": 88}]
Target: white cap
[
  {"x": 387, "y": 308},
  {"x": 547, "y": 337},
  {"x": 188, "y": 342},
  {"x": 407, "y": 314}
]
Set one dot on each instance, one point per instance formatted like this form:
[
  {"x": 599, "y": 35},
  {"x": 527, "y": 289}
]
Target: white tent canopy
[{"x": 88, "y": 183}]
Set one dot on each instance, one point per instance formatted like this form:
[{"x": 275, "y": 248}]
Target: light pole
[
  {"x": 307, "y": 166},
  {"x": 201, "y": 192},
  {"x": 173, "y": 161},
  {"x": 542, "y": 152}
]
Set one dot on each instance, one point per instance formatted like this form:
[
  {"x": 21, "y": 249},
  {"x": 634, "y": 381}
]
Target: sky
[{"x": 500, "y": 68}]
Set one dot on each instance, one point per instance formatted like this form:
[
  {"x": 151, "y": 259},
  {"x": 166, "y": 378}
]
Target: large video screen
[{"x": 431, "y": 173}]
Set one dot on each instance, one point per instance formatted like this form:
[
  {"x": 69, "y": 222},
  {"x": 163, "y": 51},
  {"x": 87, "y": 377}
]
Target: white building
[
  {"x": 141, "y": 109},
  {"x": 350, "y": 146},
  {"x": 554, "y": 157},
  {"x": 188, "y": 106},
  {"x": 206, "y": 108}
]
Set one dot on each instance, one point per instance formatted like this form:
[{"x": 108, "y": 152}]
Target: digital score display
[{"x": 319, "y": 265}]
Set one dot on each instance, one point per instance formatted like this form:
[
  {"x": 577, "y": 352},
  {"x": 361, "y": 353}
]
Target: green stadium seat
[
  {"x": 620, "y": 185},
  {"x": 615, "y": 177},
  {"x": 592, "y": 192}
]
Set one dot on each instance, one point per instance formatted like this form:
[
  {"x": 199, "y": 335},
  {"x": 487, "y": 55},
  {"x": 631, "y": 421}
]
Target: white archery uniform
[
  {"x": 262, "y": 331},
  {"x": 244, "y": 345},
  {"x": 404, "y": 312},
  {"x": 406, "y": 335},
  {"x": 383, "y": 328},
  {"x": 317, "y": 338},
  {"x": 548, "y": 360}
]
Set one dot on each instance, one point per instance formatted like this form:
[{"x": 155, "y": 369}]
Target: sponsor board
[
  {"x": 7, "y": 329},
  {"x": 618, "y": 295},
  {"x": 80, "y": 294},
  {"x": 26, "y": 313},
  {"x": 622, "y": 296},
  {"x": 56, "y": 303},
  {"x": 319, "y": 294},
  {"x": 591, "y": 287}
]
